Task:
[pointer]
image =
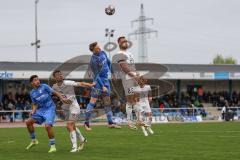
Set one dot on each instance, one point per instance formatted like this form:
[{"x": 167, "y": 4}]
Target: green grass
[{"x": 202, "y": 141}]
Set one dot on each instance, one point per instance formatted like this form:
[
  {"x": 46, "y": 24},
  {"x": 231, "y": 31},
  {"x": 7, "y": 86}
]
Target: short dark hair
[
  {"x": 32, "y": 77},
  {"x": 120, "y": 38},
  {"x": 92, "y": 46},
  {"x": 55, "y": 72}
]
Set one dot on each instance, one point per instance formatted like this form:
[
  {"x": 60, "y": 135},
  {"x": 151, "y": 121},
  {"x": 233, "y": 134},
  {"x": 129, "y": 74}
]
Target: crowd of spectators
[
  {"x": 18, "y": 101},
  {"x": 188, "y": 100},
  {"x": 21, "y": 101}
]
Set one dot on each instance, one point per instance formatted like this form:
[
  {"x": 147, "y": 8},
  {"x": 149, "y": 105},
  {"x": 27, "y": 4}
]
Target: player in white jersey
[
  {"x": 143, "y": 109},
  {"x": 72, "y": 111},
  {"x": 128, "y": 75}
]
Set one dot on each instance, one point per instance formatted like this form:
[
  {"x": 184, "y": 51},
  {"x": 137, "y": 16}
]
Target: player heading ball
[{"x": 101, "y": 68}]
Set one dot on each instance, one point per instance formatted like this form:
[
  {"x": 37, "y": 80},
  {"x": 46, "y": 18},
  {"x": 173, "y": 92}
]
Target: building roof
[{"x": 49, "y": 66}]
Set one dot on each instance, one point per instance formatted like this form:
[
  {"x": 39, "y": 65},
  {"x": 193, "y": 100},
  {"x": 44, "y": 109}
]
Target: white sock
[
  {"x": 139, "y": 112},
  {"x": 129, "y": 113},
  {"x": 144, "y": 131},
  {"x": 140, "y": 117},
  {"x": 79, "y": 134},
  {"x": 143, "y": 128},
  {"x": 73, "y": 138},
  {"x": 149, "y": 121}
]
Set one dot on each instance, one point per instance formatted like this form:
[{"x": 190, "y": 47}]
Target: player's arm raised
[
  {"x": 78, "y": 84},
  {"x": 85, "y": 84},
  {"x": 57, "y": 94},
  {"x": 63, "y": 99}
]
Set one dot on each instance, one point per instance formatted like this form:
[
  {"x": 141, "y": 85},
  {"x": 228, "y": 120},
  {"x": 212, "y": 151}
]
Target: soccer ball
[{"x": 110, "y": 10}]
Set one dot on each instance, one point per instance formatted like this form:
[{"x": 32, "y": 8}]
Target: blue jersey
[
  {"x": 42, "y": 97},
  {"x": 100, "y": 66}
]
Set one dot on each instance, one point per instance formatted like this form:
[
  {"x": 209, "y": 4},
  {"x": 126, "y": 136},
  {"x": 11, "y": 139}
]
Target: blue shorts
[
  {"x": 45, "y": 115},
  {"x": 97, "y": 90}
]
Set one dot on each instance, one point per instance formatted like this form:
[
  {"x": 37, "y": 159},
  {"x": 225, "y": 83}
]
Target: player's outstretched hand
[
  {"x": 34, "y": 109},
  {"x": 67, "y": 101},
  {"x": 85, "y": 84},
  {"x": 92, "y": 84},
  {"x": 137, "y": 79},
  {"x": 140, "y": 80},
  {"x": 104, "y": 89},
  {"x": 114, "y": 78},
  {"x": 32, "y": 112}
]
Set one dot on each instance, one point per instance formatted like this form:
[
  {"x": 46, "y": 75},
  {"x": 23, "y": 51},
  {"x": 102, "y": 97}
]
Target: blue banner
[{"x": 221, "y": 75}]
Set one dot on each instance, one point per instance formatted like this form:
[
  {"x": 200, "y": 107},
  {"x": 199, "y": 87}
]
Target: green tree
[
  {"x": 219, "y": 59},
  {"x": 230, "y": 60}
]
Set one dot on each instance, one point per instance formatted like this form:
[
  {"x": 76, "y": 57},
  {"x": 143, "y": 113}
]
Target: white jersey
[
  {"x": 67, "y": 90},
  {"x": 127, "y": 57},
  {"x": 143, "y": 97},
  {"x": 127, "y": 81}
]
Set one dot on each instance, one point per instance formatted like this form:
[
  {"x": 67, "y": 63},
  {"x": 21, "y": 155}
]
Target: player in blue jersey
[
  {"x": 101, "y": 67},
  {"x": 43, "y": 111}
]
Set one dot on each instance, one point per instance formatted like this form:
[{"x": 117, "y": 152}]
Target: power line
[
  {"x": 141, "y": 34},
  {"x": 48, "y": 44}
]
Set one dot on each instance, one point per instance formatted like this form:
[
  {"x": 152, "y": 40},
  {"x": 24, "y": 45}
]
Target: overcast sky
[{"x": 189, "y": 31}]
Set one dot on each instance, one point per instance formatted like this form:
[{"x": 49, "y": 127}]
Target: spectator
[
  {"x": 1, "y": 113},
  {"x": 27, "y": 108},
  {"x": 20, "y": 100}
]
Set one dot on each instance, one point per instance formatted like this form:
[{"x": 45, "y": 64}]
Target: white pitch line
[
  {"x": 214, "y": 131},
  {"x": 228, "y": 136},
  {"x": 200, "y": 131},
  {"x": 8, "y": 142}
]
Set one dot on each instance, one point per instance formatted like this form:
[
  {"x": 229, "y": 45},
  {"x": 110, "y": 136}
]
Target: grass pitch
[{"x": 198, "y": 141}]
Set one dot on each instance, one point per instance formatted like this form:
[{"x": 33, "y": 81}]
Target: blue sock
[
  {"x": 108, "y": 111},
  {"x": 52, "y": 141},
  {"x": 33, "y": 136},
  {"x": 89, "y": 110}
]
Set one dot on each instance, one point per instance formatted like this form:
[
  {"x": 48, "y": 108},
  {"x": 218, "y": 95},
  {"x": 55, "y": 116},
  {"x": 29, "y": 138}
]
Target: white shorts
[
  {"x": 72, "y": 114},
  {"x": 138, "y": 108},
  {"x": 147, "y": 108},
  {"x": 128, "y": 86},
  {"x": 71, "y": 117}
]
